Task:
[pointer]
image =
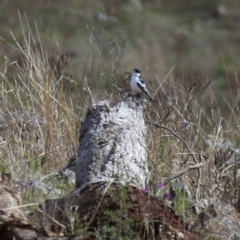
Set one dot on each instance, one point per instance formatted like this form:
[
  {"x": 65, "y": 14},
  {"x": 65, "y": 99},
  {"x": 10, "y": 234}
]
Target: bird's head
[{"x": 137, "y": 72}]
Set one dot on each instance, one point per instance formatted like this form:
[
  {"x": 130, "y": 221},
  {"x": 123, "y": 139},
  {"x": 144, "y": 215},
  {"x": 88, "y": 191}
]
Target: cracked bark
[{"x": 112, "y": 144}]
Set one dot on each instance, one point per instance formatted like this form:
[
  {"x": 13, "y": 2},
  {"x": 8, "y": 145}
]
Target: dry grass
[
  {"x": 39, "y": 122},
  {"x": 42, "y": 105},
  {"x": 192, "y": 145}
]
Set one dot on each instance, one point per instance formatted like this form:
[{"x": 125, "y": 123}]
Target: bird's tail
[{"x": 149, "y": 96}]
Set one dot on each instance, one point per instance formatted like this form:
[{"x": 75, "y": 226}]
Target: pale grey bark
[{"x": 112, "y": 144}]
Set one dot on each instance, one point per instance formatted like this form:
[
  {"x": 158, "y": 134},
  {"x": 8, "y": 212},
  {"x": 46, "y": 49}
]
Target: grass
[
  {"x": 42, "y": 104},
  {"x": 37, "y": 111}
]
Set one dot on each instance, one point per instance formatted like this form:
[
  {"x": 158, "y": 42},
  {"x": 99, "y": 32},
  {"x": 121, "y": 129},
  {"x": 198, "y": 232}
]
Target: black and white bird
[{"x": 137, "y": 84}]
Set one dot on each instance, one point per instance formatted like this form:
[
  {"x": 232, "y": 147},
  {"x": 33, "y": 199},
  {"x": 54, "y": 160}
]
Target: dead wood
[{"x": 112, "y": 144}]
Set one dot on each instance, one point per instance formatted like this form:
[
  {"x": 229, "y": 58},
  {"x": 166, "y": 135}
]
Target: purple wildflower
[
  {"x": 145, "y": 190},
  {"x": 167, "y": 195},
  {"x": 29, "y": 184},
  {"x": 184, "y": 125},
  {"x": 197, "y": 224},
  {"x": 160, "y": 185}
]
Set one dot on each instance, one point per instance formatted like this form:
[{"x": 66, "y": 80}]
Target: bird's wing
[
  {"x": 142, "y": 86},
  {"x": 142, "y": 81}
]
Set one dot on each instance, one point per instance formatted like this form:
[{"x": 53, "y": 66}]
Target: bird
[{"x": 137, "y": 84}]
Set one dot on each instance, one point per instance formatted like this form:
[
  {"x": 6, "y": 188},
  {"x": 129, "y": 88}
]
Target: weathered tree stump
[{"x": 112, "y": 144}]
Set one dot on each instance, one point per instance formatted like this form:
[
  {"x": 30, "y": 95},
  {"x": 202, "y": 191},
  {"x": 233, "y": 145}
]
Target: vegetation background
[
  {"x": 57, "y": 57},
  {"x": 156, "y": 35}
]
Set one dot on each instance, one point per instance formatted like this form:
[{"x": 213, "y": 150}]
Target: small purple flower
[
  {"x": 145, "y": 190},
  {"x": 197, "y": 224},
  {"x": 160, "y": 185},
  {"x": 29, "y": 184},
  {"x": 167, "y": 195},
  {"x": 184, "y": 125}
]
